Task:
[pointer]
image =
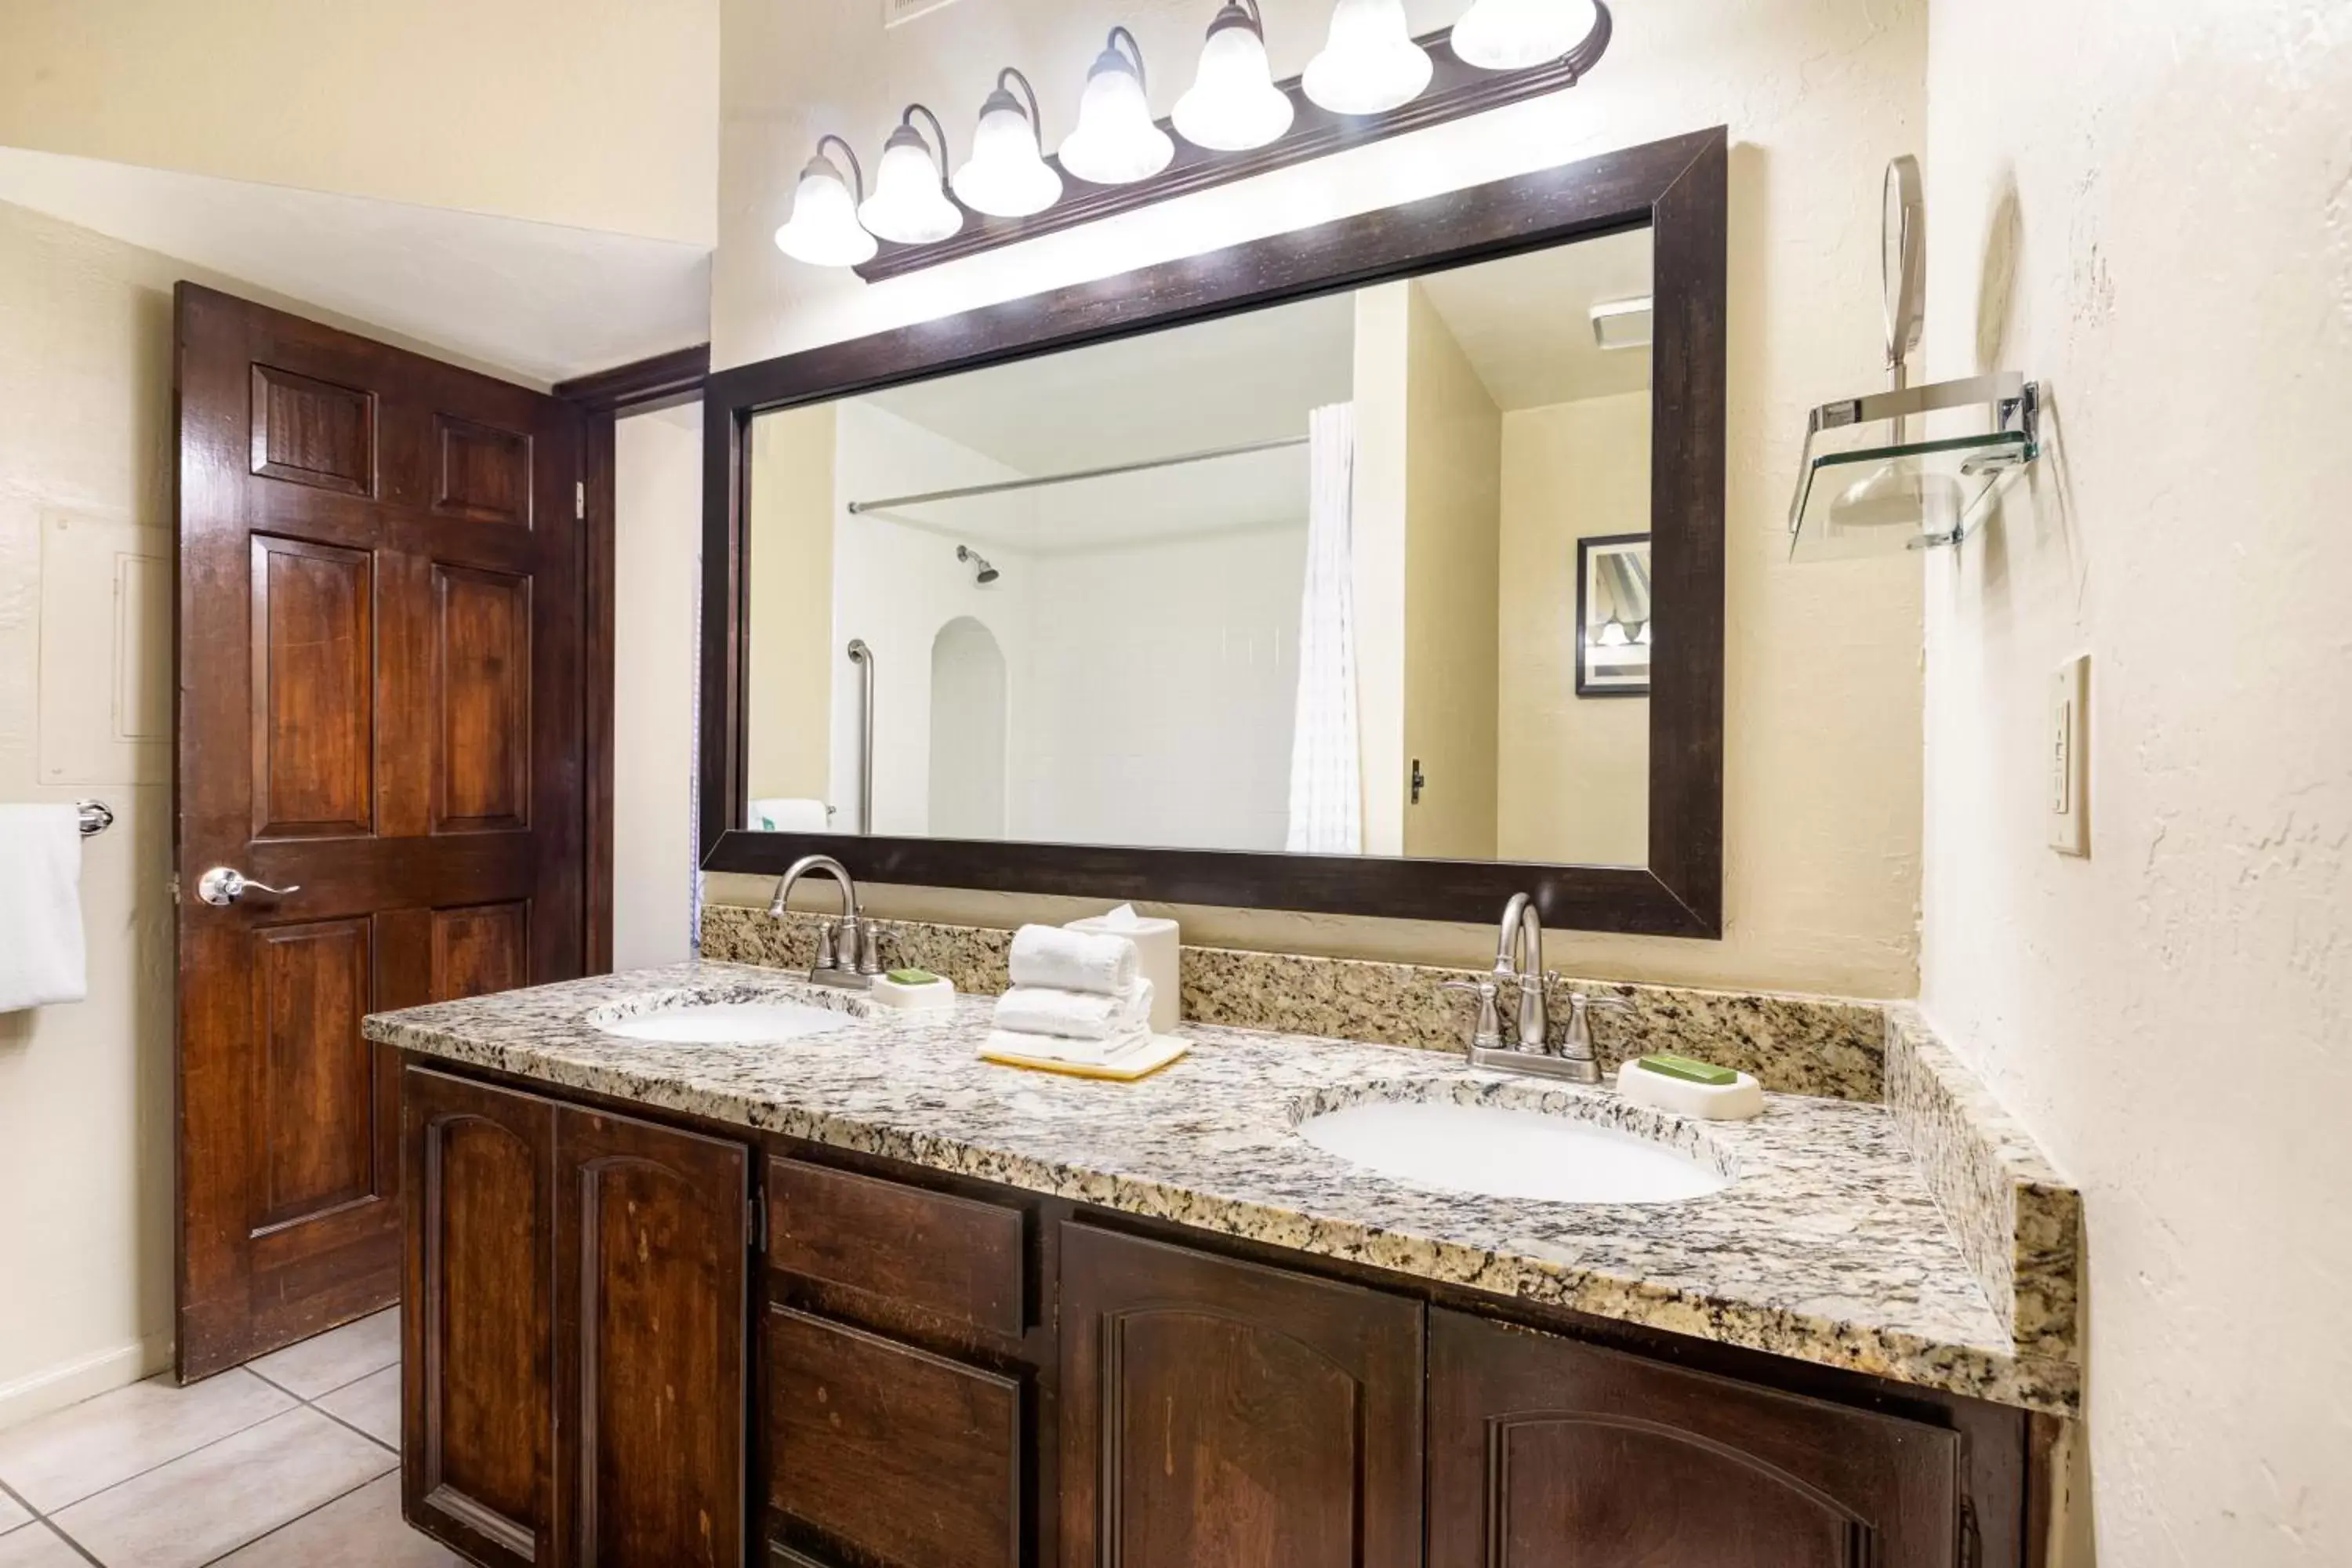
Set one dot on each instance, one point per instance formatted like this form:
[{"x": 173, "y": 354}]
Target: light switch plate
[{"x": 2066, "y": 757}]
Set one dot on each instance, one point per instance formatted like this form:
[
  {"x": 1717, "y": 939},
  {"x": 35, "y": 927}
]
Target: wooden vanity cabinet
[
  {"x": 1548, "y": 1453},
  {"x": 1219, "y": 1412},
  {"x": 574, "y": 1376}
]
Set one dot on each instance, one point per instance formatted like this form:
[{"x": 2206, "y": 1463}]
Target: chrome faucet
[
  {"x": 849, "y": 952},
  {"x": 1519, "y": 955}
]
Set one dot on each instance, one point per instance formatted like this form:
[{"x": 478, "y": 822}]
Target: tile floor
[{"x": 291, "y": 1462}]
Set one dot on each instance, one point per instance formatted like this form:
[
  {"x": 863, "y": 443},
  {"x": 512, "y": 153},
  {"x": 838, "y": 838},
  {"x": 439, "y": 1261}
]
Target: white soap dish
[
  {"x": 926, "y": 995},
  {"x": 1737, "y": 1100}
]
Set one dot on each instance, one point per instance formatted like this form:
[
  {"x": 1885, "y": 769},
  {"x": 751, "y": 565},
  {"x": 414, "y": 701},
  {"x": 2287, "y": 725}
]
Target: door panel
[
  {"x": 380, "y": 710},
  {"x": 652, "y": 1239},
  {"x": 310, "y": 992},
  {"x": 477, "y": 1378},
  {"x": 312, "y": 698},
  {"x": 1545, "y": 1452},
  {"x": 1215, "y": 1412}
]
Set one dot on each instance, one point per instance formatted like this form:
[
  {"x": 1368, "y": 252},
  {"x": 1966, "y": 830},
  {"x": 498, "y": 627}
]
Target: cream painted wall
[
  {"x": 2149, "y": 207},
  {"x": 1821, "y": 818},
  {"x": 1453, "y": 524},
  {"x": 657, "y": 523},
  {"x": 1574, "y": 781},
  {"x": 1375, "y": 579},
  {"x": 791, "y": 571},
  {"x": 596, "y": 115}
]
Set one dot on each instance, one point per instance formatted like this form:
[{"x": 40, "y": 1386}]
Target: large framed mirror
[{"x": 1372, "y": 569}]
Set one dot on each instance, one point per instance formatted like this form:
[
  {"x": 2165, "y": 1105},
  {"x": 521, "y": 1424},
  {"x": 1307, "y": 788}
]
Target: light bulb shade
[
  {"x": 1232, "y": 104},
  {"x": 1514, "y": 34},
  {"x": 824, "y": 230},
  {"x": 907, "y": 206},
  {"x": 1115, "y": 143},
  {"x": 1006, "y": 177},
  {"x": 1369, "y": 63}
]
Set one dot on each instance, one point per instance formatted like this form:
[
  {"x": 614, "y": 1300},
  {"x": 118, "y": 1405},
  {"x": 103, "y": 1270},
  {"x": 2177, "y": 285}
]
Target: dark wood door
[
  {"x": 1218, "y": 1414},
  {"x": 380, "y": 710},
  {"x": 478, "y": 1375},
  {"x": 652, "y": 1243},
  {"x": 1544, "y": 1453}
]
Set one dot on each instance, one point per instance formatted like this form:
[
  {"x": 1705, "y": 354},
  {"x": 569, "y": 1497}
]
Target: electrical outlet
[{"x": 2068, "y": 757}]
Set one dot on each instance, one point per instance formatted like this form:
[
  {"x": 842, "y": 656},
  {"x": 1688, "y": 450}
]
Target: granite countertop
[{"x": 1828, "y": 1246}]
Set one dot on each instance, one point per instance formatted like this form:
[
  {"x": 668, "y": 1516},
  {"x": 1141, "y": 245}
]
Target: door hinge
[{"x": 579, "y": 501}]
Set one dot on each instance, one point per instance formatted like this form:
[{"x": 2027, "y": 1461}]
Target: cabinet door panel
[
  {"x": 477, "y": 1395},
  {"x": 1545, "y": 1453},
  {"x": 1218, "y": 1413},
  {"x": 651, "y": 1243}
]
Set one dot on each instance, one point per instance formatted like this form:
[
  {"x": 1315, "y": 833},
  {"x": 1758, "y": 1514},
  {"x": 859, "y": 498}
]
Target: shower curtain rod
[{"x": 1246, "y": 447}]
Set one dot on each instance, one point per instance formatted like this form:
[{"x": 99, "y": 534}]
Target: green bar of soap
[
  {"x": 1691, "y": 1071},
  {"x": 913, "y": 976}
]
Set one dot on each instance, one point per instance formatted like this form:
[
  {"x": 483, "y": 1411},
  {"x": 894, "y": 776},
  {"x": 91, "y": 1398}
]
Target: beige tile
[
  {"x": 361, "y": 1530},
  {"x": 12, "y": 1513},
  {"x": 371, "y": 1405},
  {"x": 37, "y": 1546},
  {"x": 87, "y": 1448},
  {"x": 216, "y": 1500},
  {"x": 336, "y": 1357}
]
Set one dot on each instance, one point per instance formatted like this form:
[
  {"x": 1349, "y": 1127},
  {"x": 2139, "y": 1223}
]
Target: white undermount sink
[
  {"x": 1495, "y": 1151},
  {"x": 729, "y": 1023}
]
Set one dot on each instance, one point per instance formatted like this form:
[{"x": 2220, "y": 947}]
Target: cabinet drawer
[
  {"x": 954, "y": 1257},
  {"x": 892, "y": 1451}
]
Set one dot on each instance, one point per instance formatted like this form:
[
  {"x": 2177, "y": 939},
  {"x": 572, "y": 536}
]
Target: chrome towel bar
[{"x": 97, "y": 816}]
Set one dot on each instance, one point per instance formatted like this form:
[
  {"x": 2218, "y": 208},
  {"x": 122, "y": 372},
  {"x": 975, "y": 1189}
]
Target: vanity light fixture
[
  {"x": 1369, "y": 63},
  {"x": 909, "y": 204},
  {"x": 1513, "y": 34},
  {"x": 824, "y": 230},
  {"x": 1007, "y": 174},
  {"x": 1115, "y": 143},
  {"x": 1232, "y": 105}
]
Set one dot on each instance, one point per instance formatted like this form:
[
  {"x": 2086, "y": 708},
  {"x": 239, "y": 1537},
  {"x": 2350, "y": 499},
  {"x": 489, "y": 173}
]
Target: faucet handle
[
  {"x": 1487, "y": 1035},
  {"x": 827, "y": 953},
  {"x": 869, "y": 946}
]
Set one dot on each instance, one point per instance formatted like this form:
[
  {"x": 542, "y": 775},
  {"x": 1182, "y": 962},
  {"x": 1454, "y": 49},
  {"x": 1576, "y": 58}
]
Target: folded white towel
[
  {"x": 42, "y": 960},
  {"x": 1071, "y": 960},
  {"x": 1075, "y": 1014},
  {"x": 1059, "y": 1048}
]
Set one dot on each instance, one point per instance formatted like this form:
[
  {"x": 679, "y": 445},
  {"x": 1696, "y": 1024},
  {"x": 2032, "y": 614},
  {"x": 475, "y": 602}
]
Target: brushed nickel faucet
[
  {"x": 1519, "y": 959},
  {"x": 849, "y": 951}
]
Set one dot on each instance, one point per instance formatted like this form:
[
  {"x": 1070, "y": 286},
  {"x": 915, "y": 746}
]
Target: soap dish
[
  {"x": 929, "y": 994},
  {"x": 1737, "y": 1101}
]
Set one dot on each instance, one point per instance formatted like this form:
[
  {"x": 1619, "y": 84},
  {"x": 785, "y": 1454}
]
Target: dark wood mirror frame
[{"x": 1676, "y": 188}]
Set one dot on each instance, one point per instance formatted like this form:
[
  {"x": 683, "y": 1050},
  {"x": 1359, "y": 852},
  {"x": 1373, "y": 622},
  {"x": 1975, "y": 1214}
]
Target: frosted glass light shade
[
  {"x": 1369, "y": 63},
  {"x": 1513, "y": 34},
  {"x": 824, "y": 230},
  {"x": 1006, "y": 176},
  {"x": 907, "y": 206},
  {"x": 1115, "y": 143},
  {"x": 1232, "y": 104}
]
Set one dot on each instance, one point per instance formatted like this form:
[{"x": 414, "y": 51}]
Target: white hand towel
[
  {"x": 1057, "y": 1048},
  {"x": 1072, "y": 960},
  {"x": 1075, "y": 1014},
  {"x": 42, "y": 960}
]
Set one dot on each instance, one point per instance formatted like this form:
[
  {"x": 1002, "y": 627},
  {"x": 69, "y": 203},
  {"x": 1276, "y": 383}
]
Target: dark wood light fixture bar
[{"x": 1455, "y": 90}]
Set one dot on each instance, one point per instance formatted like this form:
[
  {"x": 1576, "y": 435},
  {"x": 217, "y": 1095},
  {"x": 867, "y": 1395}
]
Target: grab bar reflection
[{"x": 863, "y": 657}]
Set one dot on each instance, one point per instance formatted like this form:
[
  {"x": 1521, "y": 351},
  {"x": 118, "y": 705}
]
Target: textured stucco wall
[
  {"x": 2149, "y": 206},
  {"x": 1822, "y": 815}
]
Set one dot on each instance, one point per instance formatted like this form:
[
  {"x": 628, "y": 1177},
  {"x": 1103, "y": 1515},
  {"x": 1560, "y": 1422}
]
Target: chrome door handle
[{"x": 223, "y": 884}]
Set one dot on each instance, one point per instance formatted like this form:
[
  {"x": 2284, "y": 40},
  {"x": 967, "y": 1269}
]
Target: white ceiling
[
  {"x": 540, "y": 301},
  {"x": 1526, "y": 324}
]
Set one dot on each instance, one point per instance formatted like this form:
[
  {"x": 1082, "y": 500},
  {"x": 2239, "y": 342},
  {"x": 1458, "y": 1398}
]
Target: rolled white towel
[
  {"x": 1072, "y": 960},
  {"x": 1075, "y": 1014},
  {"x": 1059, "y": 1048}
]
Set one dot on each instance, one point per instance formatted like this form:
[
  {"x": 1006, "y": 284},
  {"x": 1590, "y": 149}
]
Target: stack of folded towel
[{"x": 1077, "y": 997}]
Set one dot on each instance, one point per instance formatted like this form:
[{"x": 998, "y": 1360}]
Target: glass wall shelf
[{"x": 1873, "y": 483}]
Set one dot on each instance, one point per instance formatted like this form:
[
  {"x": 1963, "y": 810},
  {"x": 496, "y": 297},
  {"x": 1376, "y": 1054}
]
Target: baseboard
[{"x": 60, "y": 1386}]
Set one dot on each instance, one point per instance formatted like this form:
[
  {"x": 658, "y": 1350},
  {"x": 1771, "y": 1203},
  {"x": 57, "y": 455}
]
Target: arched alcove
[{"x": 968, "y": 726}]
